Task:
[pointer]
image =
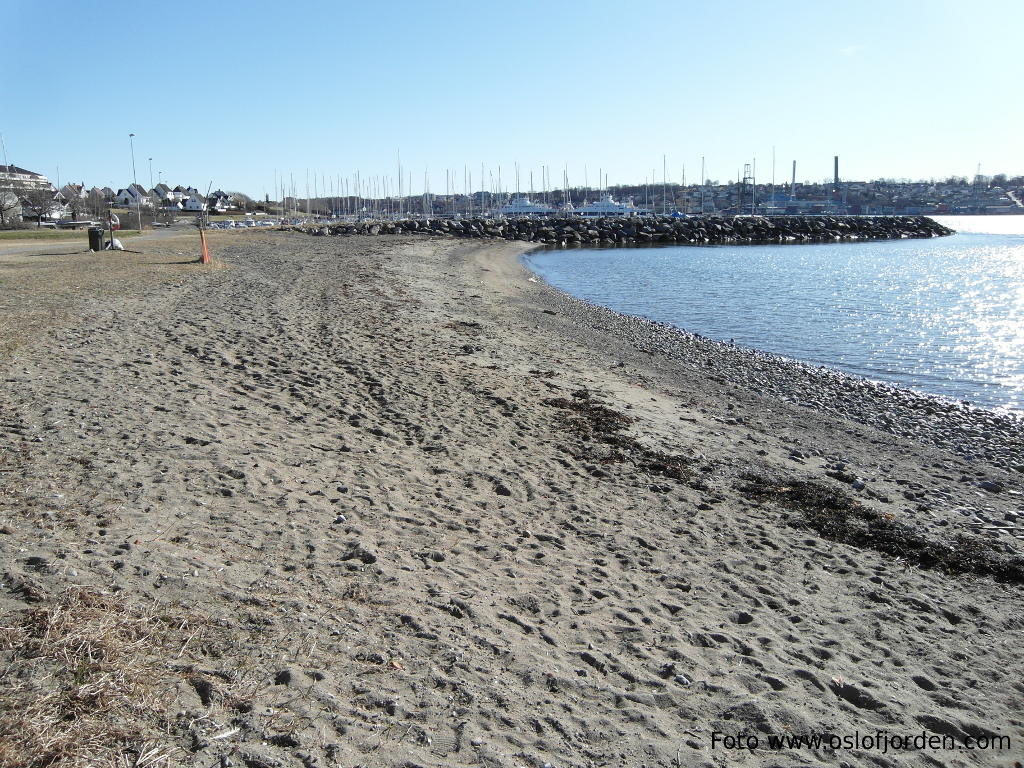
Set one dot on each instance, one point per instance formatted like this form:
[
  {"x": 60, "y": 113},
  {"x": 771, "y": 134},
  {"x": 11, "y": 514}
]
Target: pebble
[{"x": 950, "y": 425}]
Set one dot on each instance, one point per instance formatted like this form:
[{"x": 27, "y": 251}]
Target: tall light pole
[
  {"x": 138, "y": 197},
  {"x": 151, "y": 173}
]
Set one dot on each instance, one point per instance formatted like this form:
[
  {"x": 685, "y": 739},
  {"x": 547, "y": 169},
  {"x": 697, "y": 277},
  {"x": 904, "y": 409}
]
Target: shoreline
[
  {"x": 969, "y": 429},
  {"x": 396, "y": 502}
]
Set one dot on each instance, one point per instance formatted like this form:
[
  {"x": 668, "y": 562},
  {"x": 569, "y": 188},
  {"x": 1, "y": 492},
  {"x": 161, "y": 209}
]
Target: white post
[{"x": 138, "y": 197}]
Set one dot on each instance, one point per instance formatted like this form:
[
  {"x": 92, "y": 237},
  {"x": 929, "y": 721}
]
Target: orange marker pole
[{"x": 205, "y": 259}]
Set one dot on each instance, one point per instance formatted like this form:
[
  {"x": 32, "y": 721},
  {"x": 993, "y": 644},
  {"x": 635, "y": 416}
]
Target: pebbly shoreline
[
  {"x": 706, "y": 230},
  {"x": 996, "y": 438}
]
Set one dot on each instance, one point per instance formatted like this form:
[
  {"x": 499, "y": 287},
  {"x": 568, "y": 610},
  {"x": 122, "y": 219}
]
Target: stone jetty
[{"x": 705, "y": 230}]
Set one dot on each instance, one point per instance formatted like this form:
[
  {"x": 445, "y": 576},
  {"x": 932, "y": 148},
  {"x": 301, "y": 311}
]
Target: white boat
[
  {"x": 608, "y": 207},
  {"x": 523, "y": 206}
]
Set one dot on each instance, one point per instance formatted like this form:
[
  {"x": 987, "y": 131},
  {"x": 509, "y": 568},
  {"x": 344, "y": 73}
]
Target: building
[
  {"x": 13, "y": 176},
  {"x": 194, "y": 202},
  {"x": 219, "y": 201},
  {"x": 131, "y": 196}
]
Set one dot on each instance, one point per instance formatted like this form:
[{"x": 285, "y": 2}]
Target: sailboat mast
[{"x": 664, "y": 185}]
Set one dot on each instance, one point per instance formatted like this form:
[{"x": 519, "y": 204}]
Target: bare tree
[
  {"x": 242, "y": 200},
  {"x": 38, "y": 202},
  {"x": 75, "y": 203},
  {"x": 97, "y": 205}
]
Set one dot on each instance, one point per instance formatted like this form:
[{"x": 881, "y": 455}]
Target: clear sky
[{"x": 230, "y": 92}]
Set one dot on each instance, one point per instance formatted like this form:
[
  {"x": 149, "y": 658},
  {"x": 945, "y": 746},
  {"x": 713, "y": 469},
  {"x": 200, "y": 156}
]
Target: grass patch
[
  {"x": 79, "y": 677},
  {"x": 41, "y": 292},
  {"x": 58, "y": 235},
  {"x": 237, "y": 215},
  {"x": 834, "y": 515}
]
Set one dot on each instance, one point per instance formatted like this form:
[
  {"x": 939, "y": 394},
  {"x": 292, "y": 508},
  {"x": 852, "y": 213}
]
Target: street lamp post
[
  {"x": 135, "y": 183},
  {"x": 151, "y": 173}
]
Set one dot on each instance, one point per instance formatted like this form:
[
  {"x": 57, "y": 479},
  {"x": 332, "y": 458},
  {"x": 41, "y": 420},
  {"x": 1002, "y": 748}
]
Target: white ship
[
  {"x": 608, "y": 207},
  {"x": 523, "y": 206}
]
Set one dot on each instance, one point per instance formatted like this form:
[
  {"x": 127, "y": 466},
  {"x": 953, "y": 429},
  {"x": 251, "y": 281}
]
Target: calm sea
[{"x": 943, "y": 316}]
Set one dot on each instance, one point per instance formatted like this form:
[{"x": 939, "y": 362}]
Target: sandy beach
[{"x": 392, "y": 501}]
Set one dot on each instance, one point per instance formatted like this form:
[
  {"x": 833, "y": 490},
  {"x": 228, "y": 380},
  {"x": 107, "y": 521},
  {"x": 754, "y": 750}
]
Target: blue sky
[{"x": 230, "y": 92}]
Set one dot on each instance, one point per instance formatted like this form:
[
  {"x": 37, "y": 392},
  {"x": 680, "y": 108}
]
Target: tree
[
  {"x": 97, "y": 205},
  {"x": 74, "y": 202},
  {"x": 38, "y": 202},
  {"x": 242, "y": 201}
]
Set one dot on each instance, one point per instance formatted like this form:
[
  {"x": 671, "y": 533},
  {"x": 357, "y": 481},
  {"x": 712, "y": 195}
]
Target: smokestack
[
  {"x": 792, "y": 184},
  {"x": 837, "y": 171}
]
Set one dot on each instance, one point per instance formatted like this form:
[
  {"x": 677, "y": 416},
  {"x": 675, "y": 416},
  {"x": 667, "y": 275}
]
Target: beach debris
[
  {"x": 597, "y": 425},
  {"x": 357, "y": 551},
  {"x": 829, "y": 511}
]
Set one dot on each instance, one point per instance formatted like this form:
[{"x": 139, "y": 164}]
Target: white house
[
  {"x": 219, "y": 201},
  {"x": 167, "y": 198},
  {"x": 132, "y": 196},
  {"x": 70, "y": 191},
  {"x": 160, "y": 192},
  {"x": 194, "y": 202}
]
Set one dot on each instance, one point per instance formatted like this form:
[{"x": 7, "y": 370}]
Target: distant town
[{"x": 28, "y": 198}]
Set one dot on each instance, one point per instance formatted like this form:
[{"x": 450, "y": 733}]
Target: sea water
[{"x": 944, "y": 316}]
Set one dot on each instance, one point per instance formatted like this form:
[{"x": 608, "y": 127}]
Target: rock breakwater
[{"x": 705, "y": 230}]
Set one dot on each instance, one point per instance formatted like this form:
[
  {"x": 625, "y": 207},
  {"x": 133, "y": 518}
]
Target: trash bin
[{"x": 95, "y": 238}]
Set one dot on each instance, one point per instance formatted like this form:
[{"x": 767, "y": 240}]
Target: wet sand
[{"x": 392, "y": 501}]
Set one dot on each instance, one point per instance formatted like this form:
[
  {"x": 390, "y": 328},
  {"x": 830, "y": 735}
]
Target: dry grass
[
  {"x": 78, "y": 679},
  {"x": 44, "y": 291}
]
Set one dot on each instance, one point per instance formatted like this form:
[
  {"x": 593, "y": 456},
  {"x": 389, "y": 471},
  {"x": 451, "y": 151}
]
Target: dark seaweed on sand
[
  {"x": 836, "y": 516},
  {"x": 594, "y": 422}
]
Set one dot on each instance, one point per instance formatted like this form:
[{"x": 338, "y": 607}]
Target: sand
[{"x": 395, "y": 502}]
